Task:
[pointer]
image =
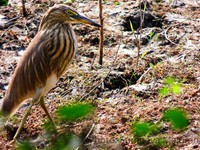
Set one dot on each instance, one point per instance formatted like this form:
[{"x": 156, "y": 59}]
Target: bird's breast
[
  {"x": 50, "y": 83},
  {"x": 63, "y": 49}
]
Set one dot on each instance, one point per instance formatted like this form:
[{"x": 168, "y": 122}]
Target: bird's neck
[{"x": 53, "y": 25}]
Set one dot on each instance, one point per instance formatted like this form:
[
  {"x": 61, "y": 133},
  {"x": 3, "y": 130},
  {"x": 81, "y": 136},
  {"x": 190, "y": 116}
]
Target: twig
[
  {"x": 140, "y": 33},
  {"x": 7, "y": 30},
  {"x": 92, "y": 63},
  {"x": 99, "y": 83},
  {"x": 23, "y": 9},
  {"x": 91, "y": 129},
  {"x": 101, "y": 33},
  {"x": 166, "y": 36},
  {"x": 8, "y": 23},
  {"x": 143, "y": 75}
]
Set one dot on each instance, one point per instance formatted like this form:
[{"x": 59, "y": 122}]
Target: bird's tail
[
  {"x": 8, "y": 107},
  {"x": 6, "y": 111}
]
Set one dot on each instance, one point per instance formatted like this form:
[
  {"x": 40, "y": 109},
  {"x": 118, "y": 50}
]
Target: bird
[{"x": 45, "y": 60}]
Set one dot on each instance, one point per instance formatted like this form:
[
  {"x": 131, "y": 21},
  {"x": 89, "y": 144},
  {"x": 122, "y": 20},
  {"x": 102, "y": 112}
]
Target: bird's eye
[{"x": 71, "y": 13}]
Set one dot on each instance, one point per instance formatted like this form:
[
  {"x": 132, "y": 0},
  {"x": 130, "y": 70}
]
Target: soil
[{"x": 123, "y": 89}]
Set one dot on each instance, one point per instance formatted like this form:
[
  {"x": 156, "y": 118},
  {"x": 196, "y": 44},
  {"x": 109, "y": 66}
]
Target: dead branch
[
  {"x": 23, "y": 9},
  {"x": 101, "y": 33}
]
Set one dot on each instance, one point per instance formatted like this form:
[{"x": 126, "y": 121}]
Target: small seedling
[
  {"x": 159, "y": 142},
  {"x": 68, "y": 1},
  {"x": 144, "y": 54},
  {"x": 144, "y": 129},
  {"x": 164, "y": 91},
  {"x": 74, "y": 111},
  {"x": 116, "y": 3},
  {"x": 177, "y": 118},
  {"x": 148, "y": 134},
  {"x": 65, "y": 142},
  {"x": 131, "y": 25},
  {"x": 170, "y": 86},
  {"x": 151, "y": 35},
  {"x": 24, "y": 146},
  {"x": 49, "y": 128}
]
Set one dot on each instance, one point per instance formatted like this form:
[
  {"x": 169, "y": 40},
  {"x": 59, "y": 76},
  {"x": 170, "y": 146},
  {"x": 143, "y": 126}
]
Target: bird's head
[{"x": 65, "y": 14}]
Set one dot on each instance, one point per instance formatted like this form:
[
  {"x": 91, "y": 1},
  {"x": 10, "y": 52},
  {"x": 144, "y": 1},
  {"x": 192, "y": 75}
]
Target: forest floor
[{"x": 122, "y": 90}]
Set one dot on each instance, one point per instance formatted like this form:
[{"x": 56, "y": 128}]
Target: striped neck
[{"x": 63, "y": 46}]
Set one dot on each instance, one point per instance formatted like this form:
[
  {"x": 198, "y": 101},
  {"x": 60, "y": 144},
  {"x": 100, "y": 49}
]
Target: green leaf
[
  {"x": 144, "y": 54},
  {"x": 164, "y": 91},
  {"x": 170, "y": 87},
  {"x": 169, "y": 80},
  {"x": 159, "y": 142},
  {"x": 151, "y": 34},
  {"x": 68, "y": 1},
  {"x": 131, "y": 25},
  {"x": 49, "y": 127},
  {"x": 24, "y": 146},
  {"x": 151, "y": 65},
  {"x": 75, "y": 111},
  {"x": 176, "y": 88},
  {"x": 116, "y": 3},
  {"x": 144, "y": 129},
  {"x": 177, "y": 117},
  {"x": 3, "y": 2},
  {"x": 65, "y": 142}
]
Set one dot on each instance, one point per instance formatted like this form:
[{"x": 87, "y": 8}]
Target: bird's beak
[{"x": 85, "y": 20}]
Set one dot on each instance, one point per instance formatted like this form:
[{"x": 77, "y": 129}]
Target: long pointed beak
[{"x": 85, "y": 20}]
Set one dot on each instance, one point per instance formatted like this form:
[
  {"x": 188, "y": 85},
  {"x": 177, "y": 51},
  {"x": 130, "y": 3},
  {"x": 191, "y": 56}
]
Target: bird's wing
[
  {"x": 33, "y": 68},
  {"x": 30, "y": 75}
]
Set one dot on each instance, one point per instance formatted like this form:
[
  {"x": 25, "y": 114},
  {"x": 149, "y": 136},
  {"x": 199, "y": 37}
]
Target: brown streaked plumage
[{"x": 44, "y": 61}]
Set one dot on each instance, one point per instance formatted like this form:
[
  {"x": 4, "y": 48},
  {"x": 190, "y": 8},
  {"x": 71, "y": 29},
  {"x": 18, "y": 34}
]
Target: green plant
[
  {"x": 131, "y": 25},
  {"x": 137, "y": 38},
  {"x": 170, "y": 86},
  {"x": 24, "y": 146},
  {"x": 65, "y": 142},
  {"x": 68, "y": 1},
  {"x": 144, "y": 54},
  {"x": 132, "y": 79},
  {"x": 151, "y": 35},
  {"x": 49, "y": 128},
  {"x": 148, "y": 134},
  {"x": 116, "y": 2},
  {"x": 159, "y": 142},
  {"x": 74, "y": 111},
  {"x": 144, "y": 129},
  {"x": 3, "y": 2},
  {"x": 145, "y": 133},
  {"x": 177, "y": 118}
]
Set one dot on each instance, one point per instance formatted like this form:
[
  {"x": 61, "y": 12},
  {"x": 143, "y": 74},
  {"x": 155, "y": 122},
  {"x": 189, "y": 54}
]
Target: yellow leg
[
  {"x": 35, "y": 99},
  {"x": 42, "y": 104},
  {"x": 23, "y": 121}
]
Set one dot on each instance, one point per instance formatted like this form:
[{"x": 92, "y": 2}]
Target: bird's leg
[
  {"x": 35, "y": 99},
  {"x": 42, "y": 104},
  {"x": 24, "y": 119}
]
